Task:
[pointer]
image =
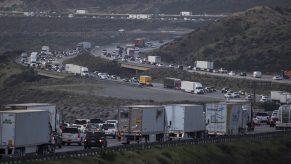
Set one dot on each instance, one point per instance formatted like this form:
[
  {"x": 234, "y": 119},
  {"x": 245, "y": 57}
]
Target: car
[
  {"x": 72, "y": 135},
  {"x": 274, "y": 118},
  {"x": 224, "y": 90},
  {"x": 235, "y": 95},
  {"x": 262, "y": 117},
  {"x": 95, "y": 139},
  {"x": 277, "y": 78},
  {"x": 243, "y": 74},
  {"x": 265, "y": 99},
  {"x": 215, "y": 71},
  {"x": 189, "y": 67},
  {"x": 242, "y": 92},
  {"x": 160, "y": 64},
  {"x": 171, "y": 66},
  {"x": 230, "y": 91},
  {"x": 228, "y": 95},
  {"x": 207, "y": 89},
  {"x": 249, "y": 97},
  {"x": 113, "y": 77},
  {"x": 222, "y": 70},
  {"x": 110, "y": 129},
  {"x": 125, "y": 80},
  {"x": 231, "y": 73}
]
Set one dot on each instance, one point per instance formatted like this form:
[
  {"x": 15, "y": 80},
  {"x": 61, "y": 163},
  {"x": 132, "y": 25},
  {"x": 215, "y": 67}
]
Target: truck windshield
[{"x": 199, "y": 88}]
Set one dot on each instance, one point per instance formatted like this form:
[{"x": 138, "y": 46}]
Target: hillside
[
  {"x": 257, "y": 39},
  {"x": 139, "y": 6}
]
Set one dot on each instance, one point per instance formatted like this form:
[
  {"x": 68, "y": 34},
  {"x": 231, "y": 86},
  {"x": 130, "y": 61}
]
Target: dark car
[
  {"x": 224, "y": 90},
  {"x": 95, "y": 139},
  {"x": 96, "y": 120},
  {"x": 243, "y": 74}
]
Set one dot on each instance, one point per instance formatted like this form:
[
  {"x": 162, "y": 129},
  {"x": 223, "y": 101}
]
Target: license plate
[{"x": 93, "y": 141}]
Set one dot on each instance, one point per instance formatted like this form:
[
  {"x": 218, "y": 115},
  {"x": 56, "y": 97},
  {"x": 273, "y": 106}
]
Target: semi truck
[
  {"x": 204, "y": 65},
  {"x": 77, "y": 70},
  {"x": 284, "y": 117},
  {"x": 142, "y": 123},
  {"x": 154, "y": 59},
  {"x": 281, "y": 97},
  {"x": 172, "y": 83},
  {"x": 185, "y": 121},
  {"x": 145, "y": 80},
  {"x": 54, "y": 117},
  {"x": 228, "y": 118},
  {"x": 24, "y": 132},
  {"x": 192, "y": 87},
  {"x": 257, "y": 74},
  {"x": 33, "y": 59}
]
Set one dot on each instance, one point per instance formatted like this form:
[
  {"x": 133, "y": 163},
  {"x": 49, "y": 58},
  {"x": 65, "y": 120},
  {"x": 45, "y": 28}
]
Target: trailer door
[{"x": 8, "y": 129}]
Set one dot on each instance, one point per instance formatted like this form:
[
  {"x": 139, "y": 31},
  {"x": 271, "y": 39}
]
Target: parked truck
[
  {"x": 24, "y": 132},
  {"x": 257, "y": 74},
  {"x": 172, "y": 83},
  {"x": 192, "y": 87},
  {"x": 145, "y": 80},
  {"x": 204, "y": 65},
  {"x": 54, "y": 117},
  {"x": 142, "y": 123},
  {"x": 284, "y": 117},
  {"x": 77, "y": 70},
  {"x": 154, "y": 59},
  {"x": 281, "y": 97},
  {"x": 185, "y": 121},
  {"x": 228, "y": 118}
]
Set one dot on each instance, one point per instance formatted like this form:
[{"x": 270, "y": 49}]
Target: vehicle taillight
[{"x": 100, "y": 140}]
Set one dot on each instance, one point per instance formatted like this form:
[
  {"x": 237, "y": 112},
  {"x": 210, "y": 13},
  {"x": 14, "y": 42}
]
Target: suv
[
  {"x": 95, "y": 139},
  {"x": 110, "y": 129},
  {"x": 262, "y": 117},
  {"x": 72, "y": 135}
]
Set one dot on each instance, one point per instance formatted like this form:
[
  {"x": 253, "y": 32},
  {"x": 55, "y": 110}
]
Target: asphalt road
[{"x": 114, "y": 142}]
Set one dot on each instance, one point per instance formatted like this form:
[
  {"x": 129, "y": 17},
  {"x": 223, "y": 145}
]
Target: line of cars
[{"x": 91, "y": 133}]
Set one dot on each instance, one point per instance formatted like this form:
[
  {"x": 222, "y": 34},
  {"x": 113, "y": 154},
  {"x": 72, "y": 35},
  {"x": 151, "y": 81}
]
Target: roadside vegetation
[{"x": 258, "y": 152}]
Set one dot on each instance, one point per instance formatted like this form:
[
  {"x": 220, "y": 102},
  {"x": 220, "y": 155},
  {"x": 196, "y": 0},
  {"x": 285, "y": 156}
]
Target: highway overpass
[{"x": 50, "y": 74}]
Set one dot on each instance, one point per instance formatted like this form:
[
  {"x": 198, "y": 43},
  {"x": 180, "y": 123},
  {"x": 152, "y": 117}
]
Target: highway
[
  {"x": 114, "y": 142},
  {"x": 110, "y": 48}
]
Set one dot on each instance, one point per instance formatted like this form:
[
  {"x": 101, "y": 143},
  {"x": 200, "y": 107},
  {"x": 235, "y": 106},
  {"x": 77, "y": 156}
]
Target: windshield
[
  {"x": 80, "y": 122},
  {"x": 108, "y": 126},
  {"x": 199, "y": 88},
  {"x": 96, "y": 120},
  {"x": 71, "y": 130},
  {"x": 262, "y": 114}
]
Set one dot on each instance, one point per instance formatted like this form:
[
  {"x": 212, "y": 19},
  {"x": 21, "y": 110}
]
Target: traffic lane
[{"x": 75, "y": 147}]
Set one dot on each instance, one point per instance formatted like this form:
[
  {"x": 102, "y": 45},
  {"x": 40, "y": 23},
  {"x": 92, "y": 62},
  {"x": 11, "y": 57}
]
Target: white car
[
  {"x": 235, "y": 95},
  {"x": 262, "y": 117},
  {"x": 110, "y": 129},
  {"x": 171, "y": 66},
  {"x": 277, "y": 78},
  {"x": 228, "y": 95},
  {"x": 72, "y": 135},
  {"x": 265, "y": 99},
  {"x": 231, "y": 73},
  {"x": 160, "y": 65}
]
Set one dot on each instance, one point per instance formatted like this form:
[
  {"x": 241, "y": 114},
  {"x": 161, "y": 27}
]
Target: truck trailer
[
  {"x": 192, "y": 87},
  {"x": 145, "y": 80},
  {"x": 54, "y": 117},
  {"x": 154, "y": 59},
  {"x": 228, "y": 118},
  {"x": 142, "y": 123},
  {"x": 77, "y": 70},
  {"x": 284, "y": 117},
  {"x": 185, "y": 121},
  {"x": 281, "y": 97},
  {"x": 204, "y": 65},
  {"x": 24, "y": 132},
  {"x": 172, "y": 83},
  {"x": 257, "y": 74}
]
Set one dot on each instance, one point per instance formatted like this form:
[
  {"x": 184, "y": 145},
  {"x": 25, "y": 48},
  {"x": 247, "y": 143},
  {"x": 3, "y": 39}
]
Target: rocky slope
[{"x": 259, "y": 38}]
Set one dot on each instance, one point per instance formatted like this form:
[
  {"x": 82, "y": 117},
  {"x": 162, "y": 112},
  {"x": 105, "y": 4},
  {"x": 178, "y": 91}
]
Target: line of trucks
[
  {"x": 187, "y": 86},
  {"x": 31, "y": 128}
]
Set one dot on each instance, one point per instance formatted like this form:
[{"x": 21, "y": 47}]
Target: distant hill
[
  {"x": 140, "y": 6},
  {"x": 257, "y": 39}
]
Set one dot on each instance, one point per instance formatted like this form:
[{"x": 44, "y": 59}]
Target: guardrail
[{"x": 142, "y": 146}]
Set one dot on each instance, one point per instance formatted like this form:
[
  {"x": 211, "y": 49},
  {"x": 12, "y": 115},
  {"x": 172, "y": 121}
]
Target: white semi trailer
[
  {"x": 25, "y": 132},
  {"x": 227, "y": 118},
  {"x": 142, "y": 123},
  {"x": 192, "y": 87},
  {"x": 204, "y": 65},
  {"x": 185, "y": 121},
  {"x": 77, "y": 70}
]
